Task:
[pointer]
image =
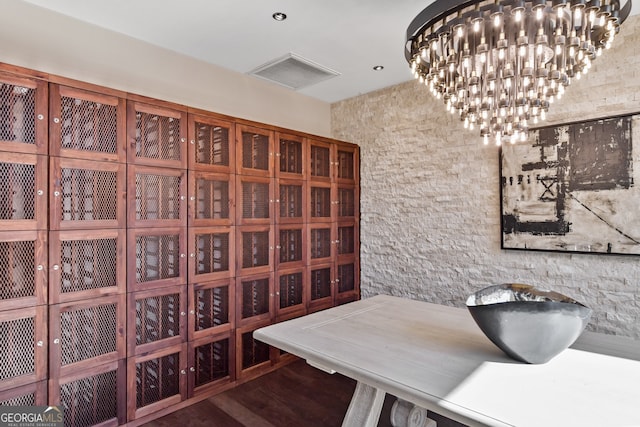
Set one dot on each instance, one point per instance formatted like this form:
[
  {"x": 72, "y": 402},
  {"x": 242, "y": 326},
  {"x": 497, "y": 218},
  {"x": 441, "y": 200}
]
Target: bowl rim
[{"x": 552, "y": 296}]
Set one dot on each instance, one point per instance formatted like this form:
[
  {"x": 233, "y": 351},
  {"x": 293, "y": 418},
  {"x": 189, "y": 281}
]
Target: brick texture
[{"x": 430, "y": 227}]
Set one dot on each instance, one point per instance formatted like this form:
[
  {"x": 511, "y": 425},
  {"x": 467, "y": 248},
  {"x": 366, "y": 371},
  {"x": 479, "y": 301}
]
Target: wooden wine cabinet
[{"x": 142, "y": 242}]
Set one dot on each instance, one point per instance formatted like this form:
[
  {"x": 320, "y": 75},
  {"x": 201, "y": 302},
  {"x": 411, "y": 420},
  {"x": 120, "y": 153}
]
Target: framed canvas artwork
[{"x": 572, "y": 188}]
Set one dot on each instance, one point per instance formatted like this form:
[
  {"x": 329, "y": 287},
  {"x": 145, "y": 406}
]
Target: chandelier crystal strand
[{"x": 500, "y": 64}]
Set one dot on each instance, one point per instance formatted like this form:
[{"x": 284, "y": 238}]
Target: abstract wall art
[{"x": 571, "y": 188}]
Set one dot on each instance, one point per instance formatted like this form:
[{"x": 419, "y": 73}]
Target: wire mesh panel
[
  {"x": 290, "y": 156},
  {"x": 160, "y": 320},
  {"x": 87, "y": 194},
  {"x": 23, "y": 201},
  {"x": 211, "y": 145},
  {"x": 87, "y": 333},
  {"x": 254, "y": 296},
  {"x": 159, "y": 258},
  {"x": 346, "y": 165},
  {"x": 22, "y": 269},
  {"x": 94, "y": 396},
  {"x": 212, "y": 307},
  {"x": 346, "y": 277},
  {"x": 320, "y": 243},
  {"x": 211, "y": 253},
  {"x": 290, "y": 290},
  {"x": 211, "y": 361},
  {"x": 157, "y": 378},
  {"x": 321, "y": 283},
  {"x": 23, "y": 349},
  {"x": 255, "y": 150},
  {"x": 211, "y": 200},
  {"x": 321, "y": 203},
  {"x": 290, "y": 245},
  {"x": 255, "y": 200},
  {"x": 320, "y": 161},
  {"x": 253, "y": 352},
  {"x": 291, "y": 202},
  {"x": 159, "y": 197},
  {"x": 346, "y": 202},
  {"x": 23, "y": 114},
  {"x": 346, "y": 239},
  {"x": 160, "y": 135},
  {"x": 87, "y": 125},
  {"x": 86, "y": 264},
  {"x": 255, "y": 248}
]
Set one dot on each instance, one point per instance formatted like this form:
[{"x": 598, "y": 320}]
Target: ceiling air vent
[{"x": 294, "y": 72}]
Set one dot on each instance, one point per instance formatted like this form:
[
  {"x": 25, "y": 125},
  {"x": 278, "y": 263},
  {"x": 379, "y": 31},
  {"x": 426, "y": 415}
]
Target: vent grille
[{"x": 294, "y": 72}]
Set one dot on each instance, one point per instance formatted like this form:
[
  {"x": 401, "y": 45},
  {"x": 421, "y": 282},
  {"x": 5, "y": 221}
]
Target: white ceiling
[{"x": 347, "y": 36}]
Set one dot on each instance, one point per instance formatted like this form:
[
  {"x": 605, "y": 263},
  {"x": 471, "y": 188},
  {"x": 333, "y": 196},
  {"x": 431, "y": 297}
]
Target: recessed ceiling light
[
  {"x": 279, "y": 16},
  {"x": 378, "y": 68}
]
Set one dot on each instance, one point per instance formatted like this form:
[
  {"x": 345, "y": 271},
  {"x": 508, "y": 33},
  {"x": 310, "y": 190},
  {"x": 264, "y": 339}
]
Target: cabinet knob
[
  {"x": 183, "y": 372},
  {"x": 40, "y": 117},
  {"x": 278, "y": 247},
  {"x": 39, "y": 192},
  {"x": 192, "y": 312},
  {"x": 182, "y": 197},
  {"x": 182, "y": 313},
  {"x": 192, "y": 369},
  {"x": 192, "y": 255},
  {"x": 192, "y": 198},
  {"x": 56, "y": 267},
  {"x": 183, "y": 139},
  {"x": 56, "y": 193},
  {"x": 183, "y": 255},
  {"x": 193, "y": 141},
  {"x": 39, "y": 343},
  {"x": 40, "y": 267},
  {"x": 56, "y": 120},
  {"x": 56, "y": 341}
]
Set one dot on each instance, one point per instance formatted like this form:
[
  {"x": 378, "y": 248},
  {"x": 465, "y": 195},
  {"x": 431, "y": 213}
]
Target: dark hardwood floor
[{"x": 295, "y": 395}]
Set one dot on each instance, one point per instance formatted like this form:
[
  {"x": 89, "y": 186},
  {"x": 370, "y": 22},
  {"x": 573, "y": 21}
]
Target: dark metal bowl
[{"x": 528, "y": 324}]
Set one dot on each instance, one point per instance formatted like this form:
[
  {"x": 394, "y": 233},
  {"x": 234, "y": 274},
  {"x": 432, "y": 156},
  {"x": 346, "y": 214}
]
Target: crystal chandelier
[{"x": 499, "y": 64}]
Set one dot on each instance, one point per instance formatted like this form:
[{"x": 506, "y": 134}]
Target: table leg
[{"x": 365, "y": 407}]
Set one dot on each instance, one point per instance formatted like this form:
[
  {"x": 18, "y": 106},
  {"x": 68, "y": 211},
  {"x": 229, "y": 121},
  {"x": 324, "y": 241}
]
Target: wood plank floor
[{"x": 295, "y": 395}]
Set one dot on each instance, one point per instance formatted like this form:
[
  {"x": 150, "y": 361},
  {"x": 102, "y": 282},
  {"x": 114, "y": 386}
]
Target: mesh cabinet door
[
  {"x": 291, "y": 198},
  {"x": 211, "y": 199},
  {"x": 23, "y": 115},
  {"x": 211, "y": 308},
  {"x": 211, "y": 144},
  {"x": 92, "y": 396},
  {"x": 291, "y": 152},
  {"x": 87, "y": 194},
  {"x": 253, "y": 357},
  {"x": 346, "y": 164},
  {"x": 160, "y": 319},
  {"x": 321, "y": 286},
  {"x": 156, "y": 258},
  {"x": 348, "y": 203},
  {"x": 156, "y": 380},
  {"x": 255, "y": 200},
  {"x": 320, "y": 202},
  {"x": 87, "y": 125},
  {"x": 320, "y": 160},
  {"x": 254, "y": 249},
  {"x": 211, "y": 253},
  {"x": 157, "y": 135},
  {"x": 86, "y": 333},
  {"x": 23, "y": 204},
  {"x": 211, "y": 363},
  {"x": 321, "y": 243},
  {"x": 291, "y": 245},
  {"x": 348, "y": 280},
  {"x": 157, "y": 197},
  {"x": 23, "y": 269},
  {"x": 291, "y": 293},
  {"x": 254, "y": 151},
  {"x": 23, "y": 353},
  {"x": 254, "y": 296},
  {"x": 86, "y": 264}
]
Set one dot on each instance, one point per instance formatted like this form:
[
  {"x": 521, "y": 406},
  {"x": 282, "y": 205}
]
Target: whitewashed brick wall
[{"x": 430, "y": 207}]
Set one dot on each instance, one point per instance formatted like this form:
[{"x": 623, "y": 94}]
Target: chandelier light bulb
[{"x": 501, "y": 63}]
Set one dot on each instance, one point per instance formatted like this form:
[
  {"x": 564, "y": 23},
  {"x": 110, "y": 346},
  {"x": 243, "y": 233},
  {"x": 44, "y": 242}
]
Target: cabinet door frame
[
  {"x": 193, "y": 177},
  {"x": 304, "y": 218},
  {"x": 247, "y": 271},
  {"x": 230, "y": 283},
  {"x": 219, "y": 384},
  {"x": 229, "y": 169},
  {"x": 269, "y": 315},
  {"x": 41, "y": 119},
  {"x": 134, "y": 106},
  {"x": 271, "y": 199},
  {"x": 297, "y": 310},
  {"x": 55, "y": 139},
  {"x": 40, "y": 192},
  {"x": 193, "y": 276},
  {"x": 278, "y": 156},
  {"x": 240, "y": 169}
]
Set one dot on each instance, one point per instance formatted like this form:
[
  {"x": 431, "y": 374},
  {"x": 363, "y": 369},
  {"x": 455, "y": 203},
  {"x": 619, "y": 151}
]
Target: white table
[{"x": 437, "y": 358}]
